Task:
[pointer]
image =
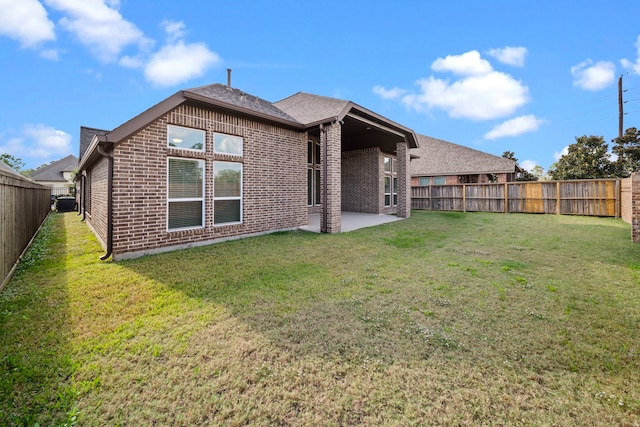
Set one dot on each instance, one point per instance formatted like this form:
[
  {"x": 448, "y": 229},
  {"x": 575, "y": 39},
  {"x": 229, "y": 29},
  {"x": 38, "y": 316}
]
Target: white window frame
[
  {"x": 188, "y": 199},
  {"x": 215, "y": 134},
  {"x": 200, "y": 131},
  {"x": 240, "y": 197},
  {"x": 391, "y": 174}
]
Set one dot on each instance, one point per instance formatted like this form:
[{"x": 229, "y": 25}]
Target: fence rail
[
  {"x": 580, "y": 197},
  {"x": 24, "y": 205}
]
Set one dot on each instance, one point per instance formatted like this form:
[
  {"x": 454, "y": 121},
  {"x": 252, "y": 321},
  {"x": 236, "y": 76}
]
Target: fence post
[
  {"x": 506, "y": 197},
  {"x": 635, "y": 214},
  {"x": 557, "y": 197},
  {"x": 464, "y": 197}
]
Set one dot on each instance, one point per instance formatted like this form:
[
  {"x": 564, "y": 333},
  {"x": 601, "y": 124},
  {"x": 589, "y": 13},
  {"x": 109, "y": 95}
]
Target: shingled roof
[
  {"x": 53, "y": 171},
  {"x": 238, "y": 98},
  {"x": 308, "y": 108},
  {"x": 443, "y": 158},
  {"x": 5, "y": 167},
  {"x": 86, "y": 135}
]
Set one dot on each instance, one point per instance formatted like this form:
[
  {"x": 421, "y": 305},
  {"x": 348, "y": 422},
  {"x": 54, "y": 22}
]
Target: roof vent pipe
[{"x": 229, "y": 78}]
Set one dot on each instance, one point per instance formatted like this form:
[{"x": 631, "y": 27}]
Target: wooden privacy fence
[
  {"x": 581, "y": 197},
  {"x": 24, "y": 205}
]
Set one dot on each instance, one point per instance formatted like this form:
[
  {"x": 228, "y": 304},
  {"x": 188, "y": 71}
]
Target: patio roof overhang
[{"x": 362, "y": 128}]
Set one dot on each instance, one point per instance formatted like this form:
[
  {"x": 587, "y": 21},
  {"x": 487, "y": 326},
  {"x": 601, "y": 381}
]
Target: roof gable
[
  {"x": 237, "y": 98},
  {"x": 308, "y": 108},
  {"x": 438, "y": 157},
  {"x": 53, "y": 171},
  {"x": 86, "y": 135}
]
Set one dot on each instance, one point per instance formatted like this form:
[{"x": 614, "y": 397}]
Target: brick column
[
  {"x": 333, "y": 204},
  {"x": 635, "y": 207},
  {"x": 404, "y": 180}
]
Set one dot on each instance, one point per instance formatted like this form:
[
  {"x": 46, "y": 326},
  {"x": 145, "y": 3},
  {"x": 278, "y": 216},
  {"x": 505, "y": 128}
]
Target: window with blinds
[
  {"x": 185, "y": 193},
  {"x": 227, "y": 193}
]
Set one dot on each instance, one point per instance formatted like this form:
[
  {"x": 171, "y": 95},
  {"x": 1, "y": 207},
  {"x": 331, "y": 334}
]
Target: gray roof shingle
[
  {"x": 86, "y": 135},
  {"x": 238, "y": 98},
  {"x": 308, "y": 108},
  {"x": 439, "y": 158},
  {"x": 53, "y": 171}
]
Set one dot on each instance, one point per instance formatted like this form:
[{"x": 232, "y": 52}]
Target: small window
[
  {"x": 387, "y": 164},
  {"x": 185, "y": 194},
  {"x": 227, "y": 144},
  {"x": 227, "y": 193},
  {"x": 187, "y": 138},
  {"x": 439, "y": 180},
  {"x": 425, "y": 180}
]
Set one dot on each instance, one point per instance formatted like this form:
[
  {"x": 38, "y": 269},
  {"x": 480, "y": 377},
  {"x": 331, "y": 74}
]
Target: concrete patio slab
[{"x": 351, "y": 221}]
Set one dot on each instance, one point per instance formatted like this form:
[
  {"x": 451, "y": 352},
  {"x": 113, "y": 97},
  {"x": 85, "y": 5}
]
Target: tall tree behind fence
[
  {"x": 24, "y": 205},
  {"x": 581, "y": 197}
]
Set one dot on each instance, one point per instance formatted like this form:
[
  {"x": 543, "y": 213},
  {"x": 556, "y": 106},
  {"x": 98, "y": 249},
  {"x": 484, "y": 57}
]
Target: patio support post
[
  {"x": 331, "y": 153},
  {"x": 404, "y": 180}
]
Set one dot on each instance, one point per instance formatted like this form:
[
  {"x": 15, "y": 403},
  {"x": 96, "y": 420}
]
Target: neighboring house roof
[
  {"x": 438, "y": 158},
  {"x": 5, "y": 167},
  {"x": 54, "y": 171},
  {"x": 86, "y": 135}
]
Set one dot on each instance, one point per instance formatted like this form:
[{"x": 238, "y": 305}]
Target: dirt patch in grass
[{"x": 443, "y": 319}]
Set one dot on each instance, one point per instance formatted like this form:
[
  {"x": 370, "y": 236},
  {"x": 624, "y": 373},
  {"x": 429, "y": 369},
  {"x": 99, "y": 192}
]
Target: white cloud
[
  {"x": 468, "y": 64},
  {"x": 100, "y": 26},
  {"x": 26, "y": 21},
  {"x": 174, "y": 29},
  {"x": 629, "y": 65},
  {"x": 557, "y": 155},
  {"x": 37, "y": 143},
  {"x": 528, "y": 164},
  {"x": 383, "y": 93},
  {"x": 593, "y": 77},
  {"x": 510, "y": 55},
  {"x": 179, "y": 62},
  {"x": 514, "y": 127},
  {"x": 484, "y": 97}
]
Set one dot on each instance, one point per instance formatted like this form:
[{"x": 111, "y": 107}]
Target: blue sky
[{"x": 525, "y": 76}]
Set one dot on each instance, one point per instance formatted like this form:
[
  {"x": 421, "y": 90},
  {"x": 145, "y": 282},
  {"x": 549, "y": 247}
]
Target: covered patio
[{"x": 351, "y": 221}]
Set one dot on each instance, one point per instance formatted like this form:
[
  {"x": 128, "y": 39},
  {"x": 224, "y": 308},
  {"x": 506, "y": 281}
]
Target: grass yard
[{"x": 442, "y": 319}]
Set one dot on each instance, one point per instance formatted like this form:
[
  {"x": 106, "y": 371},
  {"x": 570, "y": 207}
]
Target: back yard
[{"x": 442, "y": 319}]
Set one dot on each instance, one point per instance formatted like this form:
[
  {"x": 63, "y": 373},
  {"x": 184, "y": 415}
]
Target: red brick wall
[
  {"x": 334, "y": 178},
  {"x": 404, "y": 186},
  {"x": 274, "y": 182},
  {"x": 97, "y": 186},
  {"x": 361, "y": 176}
]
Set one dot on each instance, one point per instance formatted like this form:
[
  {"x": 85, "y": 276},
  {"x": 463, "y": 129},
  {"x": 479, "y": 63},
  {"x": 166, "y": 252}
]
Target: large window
[
  {"x": 313, "y": 173},
  {"x": 186, "y": 193},
  {"x": 390, "y": 182},
  {"x": 227, "y": 193},
  {"x": 186, "y": 138}
]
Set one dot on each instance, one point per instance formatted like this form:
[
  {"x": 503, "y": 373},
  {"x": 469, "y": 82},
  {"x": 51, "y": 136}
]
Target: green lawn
[{"x": 442, "y": 319}]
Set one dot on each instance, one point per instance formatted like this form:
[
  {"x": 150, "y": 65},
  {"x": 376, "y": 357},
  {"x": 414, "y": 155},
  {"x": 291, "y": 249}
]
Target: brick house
[
  {"x": 214, "y": 163},
  {"x": 438, "y": 162}
]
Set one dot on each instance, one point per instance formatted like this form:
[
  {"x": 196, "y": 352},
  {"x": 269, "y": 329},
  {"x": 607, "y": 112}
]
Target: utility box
[{"x": 65, "y": 204}]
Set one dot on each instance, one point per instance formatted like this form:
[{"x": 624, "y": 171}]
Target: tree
[
  {"x": 627, "y": 148},
  {"x": 13, "y": 162},
  {"x": 587, "y": 158},
  {"x": 523, "y": 175}
]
